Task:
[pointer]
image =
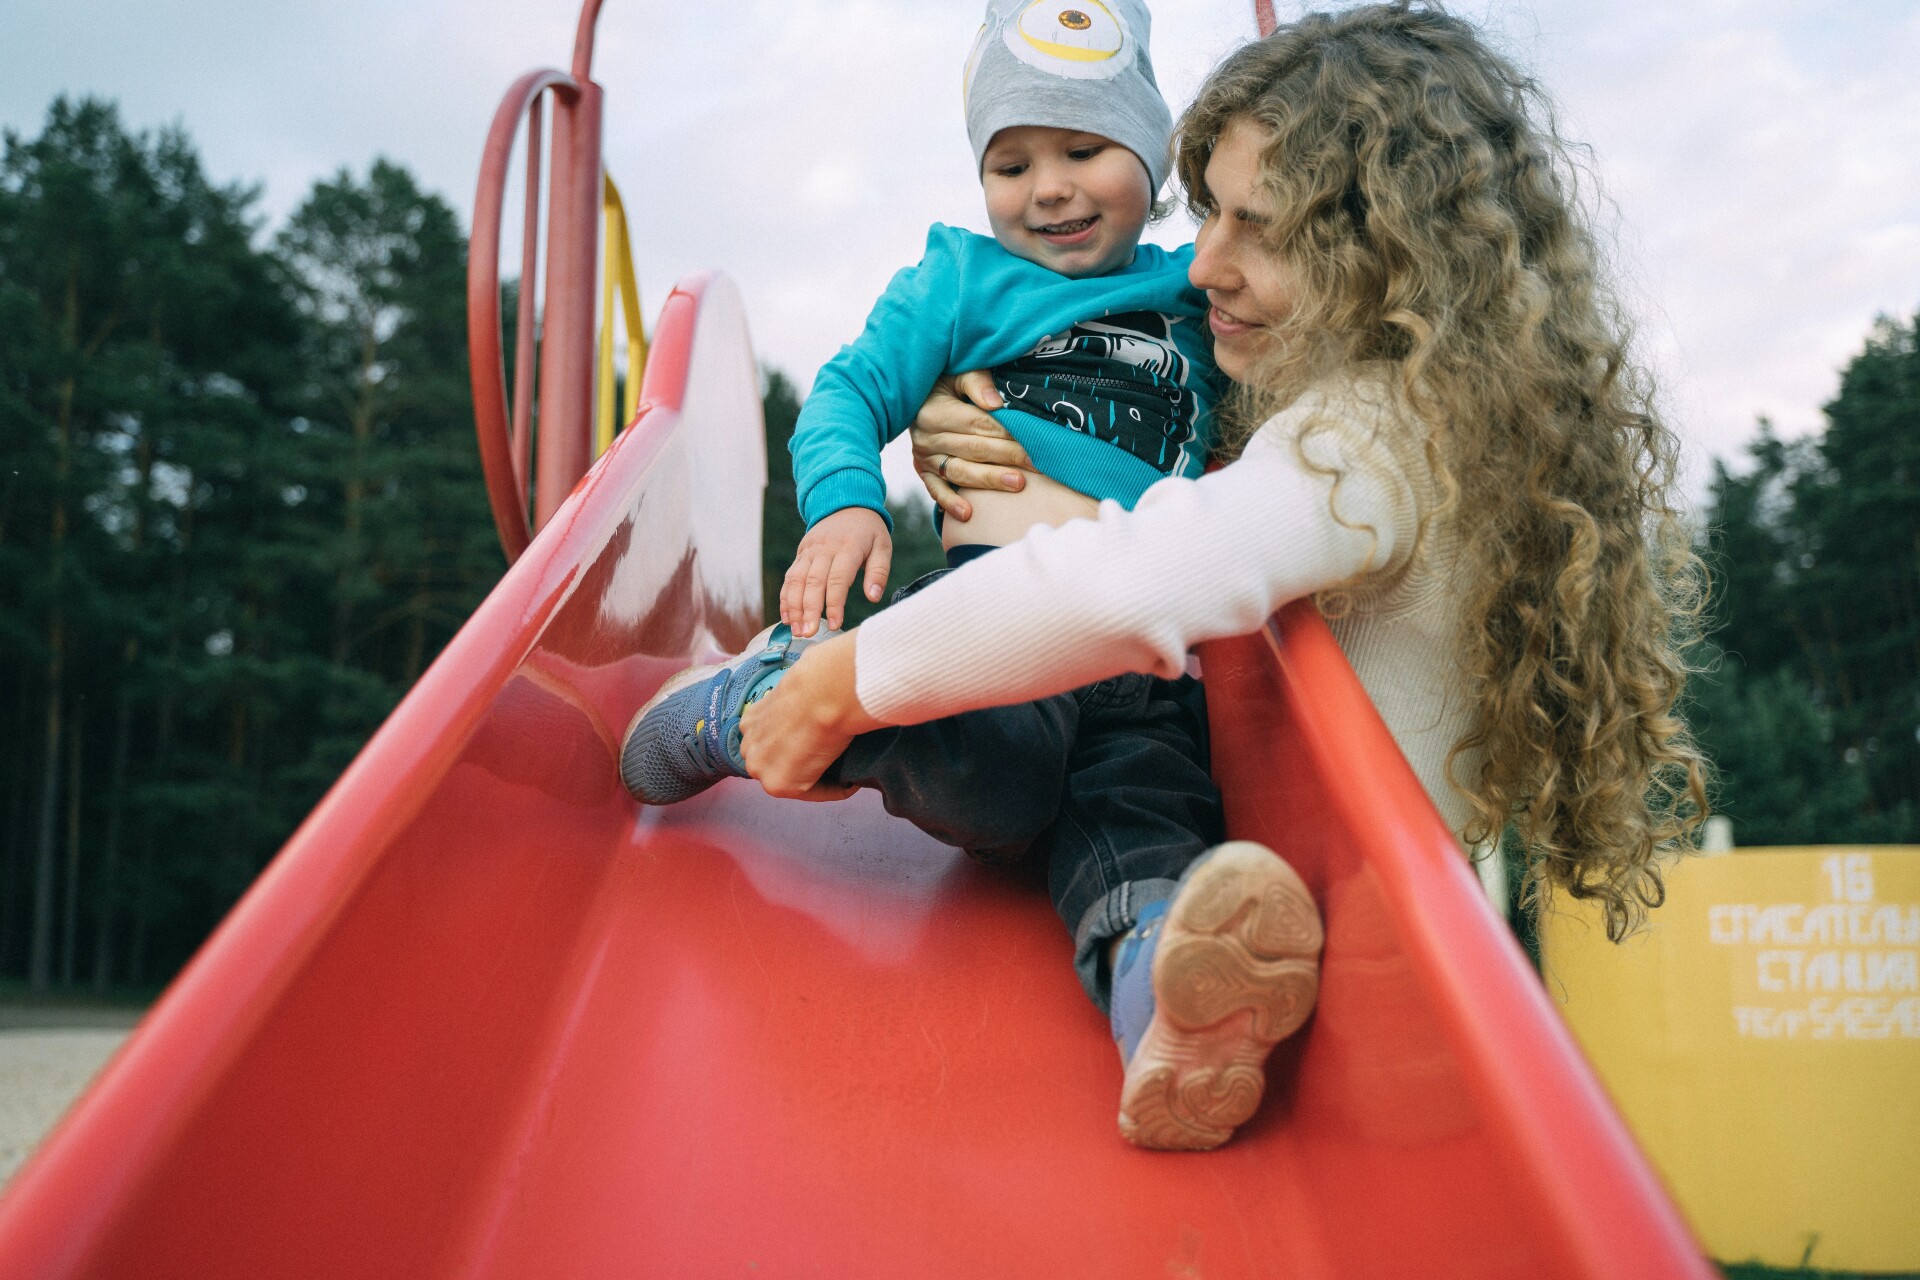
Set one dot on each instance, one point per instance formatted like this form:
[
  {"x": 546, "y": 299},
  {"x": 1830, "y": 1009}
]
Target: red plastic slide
[{"x": 485, "y": 1017}]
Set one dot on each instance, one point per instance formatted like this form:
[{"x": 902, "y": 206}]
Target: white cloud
[{"x": 1761, "y": 157}]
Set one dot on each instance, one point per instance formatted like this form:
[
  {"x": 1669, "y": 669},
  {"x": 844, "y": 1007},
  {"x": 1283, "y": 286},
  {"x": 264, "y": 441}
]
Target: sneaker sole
[{"x": 1237, "y": 971}]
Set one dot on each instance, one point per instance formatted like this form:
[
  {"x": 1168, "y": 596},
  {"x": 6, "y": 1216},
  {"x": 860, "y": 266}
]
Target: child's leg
[
  {"x": 1204, "y": 986},
  {"x": 1137, "y": 808},
  {"x": 986, "y": 781},
  {"x": 1221, "y": 941}
]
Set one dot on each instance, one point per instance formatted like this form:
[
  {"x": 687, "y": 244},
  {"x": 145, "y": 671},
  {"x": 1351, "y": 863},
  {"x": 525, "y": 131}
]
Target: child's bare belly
[{"x": 1000, "y": 518}]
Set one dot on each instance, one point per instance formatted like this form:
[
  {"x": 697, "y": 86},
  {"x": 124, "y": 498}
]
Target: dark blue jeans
[{"x": 1107, "y": 785}]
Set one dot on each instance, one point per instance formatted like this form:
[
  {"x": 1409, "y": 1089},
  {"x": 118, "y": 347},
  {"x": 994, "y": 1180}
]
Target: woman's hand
[
  {"x": 789, "y": 737},
  {"x": 957, "y": 445}
]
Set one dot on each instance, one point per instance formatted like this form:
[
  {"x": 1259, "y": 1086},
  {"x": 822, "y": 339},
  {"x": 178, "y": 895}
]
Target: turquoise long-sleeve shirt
[{"x": 1109, "y": 380}]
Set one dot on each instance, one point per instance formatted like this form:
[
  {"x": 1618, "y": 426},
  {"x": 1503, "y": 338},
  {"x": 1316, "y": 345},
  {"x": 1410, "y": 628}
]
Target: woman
[{"x": 1448, "y": 446}]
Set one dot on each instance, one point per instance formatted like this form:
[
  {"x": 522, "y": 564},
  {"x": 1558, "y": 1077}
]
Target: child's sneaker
[
  {"x": 687, "y": 736},
  {"x": 1204, "y": 986}
]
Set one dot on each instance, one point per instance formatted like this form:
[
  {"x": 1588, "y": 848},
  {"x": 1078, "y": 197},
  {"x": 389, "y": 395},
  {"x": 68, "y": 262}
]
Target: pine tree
[
  {"x": 194, "y": 637},
  {"x": 1811, "y": 704},
  {"x": 136, "y": 300},
  {"x": 781, "y": 527},
  {"x": 401, "y": 529},
  {"x": 1860, "y": 590}
]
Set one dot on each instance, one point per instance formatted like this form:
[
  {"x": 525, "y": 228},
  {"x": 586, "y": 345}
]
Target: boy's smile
[
  {"x": 1061, "y": 234},
  {"x": 1068, "y": 200}
]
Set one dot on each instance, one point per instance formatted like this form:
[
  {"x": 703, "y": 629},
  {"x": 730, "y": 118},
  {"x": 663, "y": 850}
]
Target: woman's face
[{"x": 1247, "y": 287}]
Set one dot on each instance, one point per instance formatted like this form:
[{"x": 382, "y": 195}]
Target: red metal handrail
[
  {"x": 505, "y": 443},
  {"x": 565, "y": 339},
  {"x": 583, "y": 40}
]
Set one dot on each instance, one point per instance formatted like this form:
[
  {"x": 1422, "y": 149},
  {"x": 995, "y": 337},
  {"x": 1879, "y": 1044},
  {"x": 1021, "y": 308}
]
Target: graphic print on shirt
[{"x": 1120, "y": 379}]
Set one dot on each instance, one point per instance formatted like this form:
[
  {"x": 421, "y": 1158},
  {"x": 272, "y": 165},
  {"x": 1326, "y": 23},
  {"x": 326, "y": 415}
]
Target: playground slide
[{"x": 485, "y": 1017}]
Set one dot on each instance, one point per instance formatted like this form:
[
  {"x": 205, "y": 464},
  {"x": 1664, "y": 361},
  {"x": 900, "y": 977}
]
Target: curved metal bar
[
  {"x": 506, "y": 481},
  {"x": 523, "y": 361},
  {"x": 583, "y": 40},
  {"x": 565, "y": 448}
]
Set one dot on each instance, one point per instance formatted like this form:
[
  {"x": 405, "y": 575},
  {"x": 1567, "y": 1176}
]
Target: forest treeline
[
  {"x": 1810, "y": 701},
  {"x": 241, "y": 511}
]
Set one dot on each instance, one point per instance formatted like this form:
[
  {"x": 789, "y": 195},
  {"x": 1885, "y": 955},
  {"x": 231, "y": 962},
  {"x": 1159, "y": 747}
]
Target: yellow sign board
[{"x": 1762, "y": 1038}]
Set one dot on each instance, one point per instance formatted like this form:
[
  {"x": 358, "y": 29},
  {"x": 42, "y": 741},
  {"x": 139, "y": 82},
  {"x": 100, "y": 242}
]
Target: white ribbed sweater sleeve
[{"x": 1133, "y": 591}]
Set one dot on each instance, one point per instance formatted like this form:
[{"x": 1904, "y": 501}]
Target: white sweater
[{"x": 1202, "y": 559}]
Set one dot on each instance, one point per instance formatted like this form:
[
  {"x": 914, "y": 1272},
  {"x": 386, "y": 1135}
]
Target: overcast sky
[{"x": 1761, "y": 158}]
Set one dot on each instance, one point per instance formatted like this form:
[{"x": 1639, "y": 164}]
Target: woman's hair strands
[{"x": 1431, "y": 218}]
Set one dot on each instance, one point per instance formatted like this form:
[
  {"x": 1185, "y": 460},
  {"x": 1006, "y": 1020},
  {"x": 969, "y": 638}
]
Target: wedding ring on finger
[{"x": 945, "y": 458}]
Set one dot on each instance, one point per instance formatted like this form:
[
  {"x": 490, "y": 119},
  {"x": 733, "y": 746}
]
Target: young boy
[{"x": 1097, "y": 344}]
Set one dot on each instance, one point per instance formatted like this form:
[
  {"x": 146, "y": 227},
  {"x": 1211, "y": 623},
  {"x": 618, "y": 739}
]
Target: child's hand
[{"x": 828, "y": 560}]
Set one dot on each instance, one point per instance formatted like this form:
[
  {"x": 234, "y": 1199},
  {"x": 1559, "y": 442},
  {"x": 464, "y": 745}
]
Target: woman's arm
[{"x": 1198, "y": 559}]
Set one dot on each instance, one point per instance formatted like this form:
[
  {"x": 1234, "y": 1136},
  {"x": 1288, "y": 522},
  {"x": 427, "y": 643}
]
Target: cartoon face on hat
[
  {"x": 1078, "y": 39},
  {"x": 1068, "y": 64}
]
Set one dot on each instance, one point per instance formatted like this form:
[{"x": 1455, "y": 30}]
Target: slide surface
[{"x": 486, "y": 1017}]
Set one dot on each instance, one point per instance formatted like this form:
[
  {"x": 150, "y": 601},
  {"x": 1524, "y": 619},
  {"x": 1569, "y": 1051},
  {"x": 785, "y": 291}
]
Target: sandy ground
[{"x": 41, "y": 1072}]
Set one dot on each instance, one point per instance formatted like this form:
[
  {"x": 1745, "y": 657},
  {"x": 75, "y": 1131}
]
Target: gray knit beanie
[{"x": 1069, "y": 64}]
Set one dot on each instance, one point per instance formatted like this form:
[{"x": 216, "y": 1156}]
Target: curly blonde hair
[{"x": 1429, "y": 215}]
